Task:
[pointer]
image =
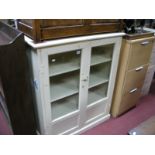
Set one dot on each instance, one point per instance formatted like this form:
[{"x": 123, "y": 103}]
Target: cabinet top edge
[
  {"x": 31, "y": 43},
  {"x": 139, "y": 39}
]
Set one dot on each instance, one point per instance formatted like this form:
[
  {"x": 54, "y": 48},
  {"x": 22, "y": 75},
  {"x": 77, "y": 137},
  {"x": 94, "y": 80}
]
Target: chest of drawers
[{"x": 133, "y": 65}]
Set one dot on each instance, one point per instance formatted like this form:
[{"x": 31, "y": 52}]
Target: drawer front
[
  {"x": 103, "y": 21},
  {"x": 129, "y": 100},
  {"x": 135, "y": 78},
  {"x": 140, "y": 53},
  {"x": 60, "y": 22}
]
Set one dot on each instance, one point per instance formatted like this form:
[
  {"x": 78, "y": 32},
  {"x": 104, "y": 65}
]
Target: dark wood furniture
[
  {"x": 15, "y": 77},
  {"x": 45, "y": 29},
  {"x": 4, "y": 113}
]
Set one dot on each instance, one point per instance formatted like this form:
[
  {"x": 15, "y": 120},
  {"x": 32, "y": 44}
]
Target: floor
[
  {"x": 124, "y": 123},
  {"x": 4, "y": 125},
  {"x": 114, "y": 126},
  {"x": 121, "y": 125}
]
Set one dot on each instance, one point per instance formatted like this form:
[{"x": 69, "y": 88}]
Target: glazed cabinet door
[
  {"x": 65, "y": 84},
  {"x": 103, "y": 65},
  {"x": 78, "y": 81}
]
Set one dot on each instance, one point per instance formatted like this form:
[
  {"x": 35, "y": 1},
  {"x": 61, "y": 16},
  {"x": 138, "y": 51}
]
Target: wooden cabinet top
[{"x": 47, "y": 29}]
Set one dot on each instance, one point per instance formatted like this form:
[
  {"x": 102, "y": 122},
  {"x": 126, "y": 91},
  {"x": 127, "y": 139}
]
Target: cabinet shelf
[
  {"x": 96, "y": 80},
  {"x": 67, "y": 85},
  {"x": 64, "y": 106},
  {"x": 101, "y": 54},
  {"x": 61, "y": 68},
  {"x": 63, "y": 63},
  {"x": 99, "y": 74},
  {"x": 97, "y": 93},
  {"x": 99, "y": 60}
]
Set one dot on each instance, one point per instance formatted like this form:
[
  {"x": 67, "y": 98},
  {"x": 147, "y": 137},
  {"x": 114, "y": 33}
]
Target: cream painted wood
[
  {"x": 38, "y": 93},
  {"x": 84, "y": 83},
  {"x": 52, "y": 121},
  {"x": 92, "y": 124},
  {"x": 72, "y": 40},
  {"x": 112, "y": 76},
  {"x": 60, "y": 113}
]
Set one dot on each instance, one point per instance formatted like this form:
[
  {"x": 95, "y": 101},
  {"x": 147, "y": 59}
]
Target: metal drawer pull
[
  {"x": 145, "y": 43},
  {"x": 133, "y": 90},
  {"x": 139, "y": 68}
]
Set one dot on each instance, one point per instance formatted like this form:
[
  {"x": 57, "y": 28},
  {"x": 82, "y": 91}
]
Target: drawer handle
[
  {"x": 133, "y": 90},
  {"x": 145, "y": 43},
  {"x": 139, "y": 68}
]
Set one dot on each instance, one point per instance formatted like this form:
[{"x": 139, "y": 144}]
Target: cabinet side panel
[
  {"x": 123, "y": 61},
  {"x": 35, "y": 81}
]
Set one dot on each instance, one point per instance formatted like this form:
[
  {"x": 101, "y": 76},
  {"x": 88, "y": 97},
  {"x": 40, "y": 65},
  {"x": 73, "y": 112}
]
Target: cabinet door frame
[
  {"x": 45, "y": 53},
  {"x": 85, "y": 48},
  {"x": 114, "y": 65},
  {"x": 84, "y": 83}
]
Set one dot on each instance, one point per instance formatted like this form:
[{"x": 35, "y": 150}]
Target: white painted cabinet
[{"x": 74, "y": 83}]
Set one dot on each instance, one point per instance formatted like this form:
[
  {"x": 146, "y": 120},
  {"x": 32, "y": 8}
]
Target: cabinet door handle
[
  {"x": 53, "y": 60},
  {"x": 133, "y": 90},
  {"x": 85, "y": 79},
  {"x": 145, "y": 43},
  {"x": 139, "y": 68}
]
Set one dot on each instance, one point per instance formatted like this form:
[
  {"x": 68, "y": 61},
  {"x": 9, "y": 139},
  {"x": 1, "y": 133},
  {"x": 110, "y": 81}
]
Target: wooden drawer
[
  {"x": 129, "y": 100},
  {"x": 46, "y": 29},
  {"x": 140, "y": 53},
  {"x": 61, "y": 22},
  {"x": 102, "y": 21},
  {"x": 135, "y": 78}
]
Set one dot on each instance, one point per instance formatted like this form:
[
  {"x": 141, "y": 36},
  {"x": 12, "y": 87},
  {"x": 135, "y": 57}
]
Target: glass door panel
[
  {"x": 97, "y": 93},
  {"x": 101, "y": 54},
  {"x": 64, "y": 62},
  {"x": 64, "y": 76},
  {"x": 64, "y": 106},
  {"x": 101, "y": 58}
]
